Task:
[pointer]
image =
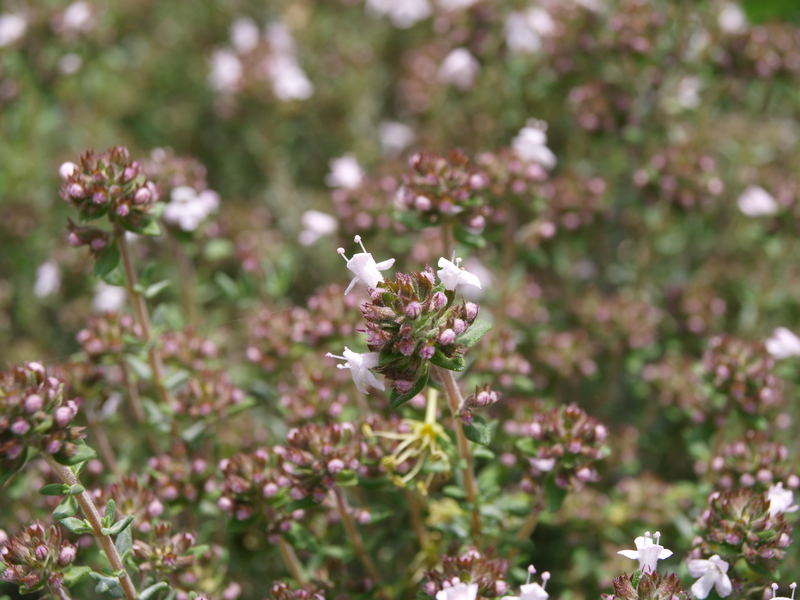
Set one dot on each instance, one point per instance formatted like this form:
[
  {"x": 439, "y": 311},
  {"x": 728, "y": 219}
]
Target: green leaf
[
  {"x": 475, "y": 332},
  {"x": 118, "y": 526},
  {"x": 153, "y": 290},
  {"x": 76, "y": 526},
  {"x": 468, "y": 238},
  {"x": 106, "y": 260},
  {"x": 107, "y": 584},
  {"x": 76, "y": 489},
  {"x": 194, "y": 431},
  {"x": 110, "y": 514},
  {"x": 66, "y": 508},
  {"x": 553, "y": 493},
  {"x": 140, "y": 367},
  {"x": 152, "y": 229},
  {"x": 82, "y": 454},
  {"x": 451, "y": 364},
  {"x": 396, "y": 399},
  {"x": 481, "y": 431},
  {"x": 759, "y": 11},
  {"x": 124, "y": 541},
  {"x": 151, "y": 591},
  {"x": 54, "y": 489},
  {"x": 346, "y": 478},
  {"x": 75, "y": 573}
]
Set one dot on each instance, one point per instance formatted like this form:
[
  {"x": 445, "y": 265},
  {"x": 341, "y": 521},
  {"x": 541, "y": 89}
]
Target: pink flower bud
[
  {"x": 427, "y": 352},
  {"x": 64, "y": 415},
  {"x": 155, "y": 508},
  {"x": 75, "y": 190},
  {"x": 459, "y": 326},
  {"x": 73, "y": 239},
  {"x": 269, "y": 490},
  {"x": 33, "y": 403},
  {"x": 438, "y": 300},
  {"x": 99, "y": 197},
  {"x": 413, "y": 310},
  {"x": 67, "y": 554},
  {"x": 471, "y": 311},
  {"x": 123, "y": 210},
  {"x": 97, "y": 244},
  {"x": 447, "y": 337},
  {"x": 40, "y": 551},
  {"x": 224, "y": 503},
  {"x": 422, "y": 203},
  {"x": 335, "y": 466},
  {"x": 142, "y": 196},
  {"x": 20, "y": 427}
]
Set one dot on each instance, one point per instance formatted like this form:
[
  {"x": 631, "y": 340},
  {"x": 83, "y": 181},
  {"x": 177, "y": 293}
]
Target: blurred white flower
[
  {"x": 459, "y": 68},
  {"x": 316, "y": 224},
  {"x": 244, "y": 34},
  {"x": 364, "y": 267},
  {"x": 395, "y": 136},
  {"x": 360, "y": 365},
  {"x": 688, "y": 95},
  {"x": 108, "y": 298},
  {"x": 402, "y": 13},
  {"x": 783, "y": 344},
  {"x": 731, "y": 18},
  {"x": 279, "y": 38},
  {"x": 456, "y": 4},
  {"x": 12, "y": 28},
  {"x": 70, "y": 63},
  {"x": 77, "y": 17},
  {"x": 453, "y": 276},
  {"x": 484, "y": 275},
  {"x": 289, "y": 81},
  {"x": 648, "y": 552},
  {"x": 48, "y": 279},
  {"x": 755, "y": 201},
  {"x": 67, "y": 169},
  {"x": 781, "y": 500},
  {"x": 226, "y": 70},
  {"x": 713, "y": 573},
  {"x": 345, "y": 172},
  {"x": 530, "y": 144},
  {"x": 524, "y": 30},
  {"x": 457, "y": 590},
  {"x": 187, "y": 208}
]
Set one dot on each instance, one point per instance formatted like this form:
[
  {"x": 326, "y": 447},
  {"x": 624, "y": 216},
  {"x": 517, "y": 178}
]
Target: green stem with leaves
[{"x": 92, "y": 515}]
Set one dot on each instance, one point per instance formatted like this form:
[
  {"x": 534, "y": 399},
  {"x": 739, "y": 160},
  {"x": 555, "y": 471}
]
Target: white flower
[
  {"x": 530, "y": 144},
  {"x": 77, "y": 17},
  {"x": 364, "y": 267},
  {"x": 402, "y": 14},
  {"x": 452, "y": 275},
  {"x": 244, "y": 34},
  {"x": 781, "y": 500},
  {"x": 48, "y": 279},
  {"x": 451, "y": 5},
  {"x": 774, "y": 586},
  {"x": 187, "y": 208},
  {"x": 360, "y": 365},
  {"x": 688, "y": 95},
  {"x": 67, "y": 169},
  {"x": 345, "y": 172},
  {"x": 783, "y": 344},
  {"x": 543, "y": 464},
  {"x": 459, "y": 68},
  {"x": 457, "y": 590},
  {"x": 12, "y": 27},
  {"x": 755, "y": 201},
  {"x": 532, "y": 591},
  {"x": 316, "y": 224},
  {"x": 484, "y": 275},
  {"x": 289, "y": 81},
  {"x": 732, "y": 19},
  {"x": 395, "y": 136},
  {"x": 712, "y": 573},
  {"x": 70, "y": 63},
  {"x": 226, "y": 71},
  {"x": 648, "y": 552},
  {"x": 108, "y": 298}
]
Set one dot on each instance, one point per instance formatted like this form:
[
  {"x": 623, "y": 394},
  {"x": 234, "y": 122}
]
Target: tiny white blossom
[
  {"x": 188, "y": 208},
  {"x": 530, "y": 144},
  {"x": 364, "y": 267},
  {"x": 451, "y": 5},
  {"x": 648, "y": 552},
  {"x": 459, "y": 68},
  {"x": 452, "y": 275},
  {"x": 48, "y": 279},
  {"x": 395, "y": 136},
  {"x": 12, "y": 27},
  {"x": 70, "y": 63},
  {"x": 316, "y": 224},
  {"x": 360, "y": 365},
  {"x": 244, "y": 34},
  {"x": 403, "y": 14},
  {"x": 783, "y": 344},
  {"x": 457, "y": 590},
  {"x": 108, "y": 298},
  {"x": 532, "y": 591},
  {"x": 78, "y": 17},
  {"x": 781, "y": 500},
  {"x": 731, "y": 19},
  {"x": 774, "y": 586},
  {"x": 755, "y": 201},
  {"x": 289, "y": 81},
  {"x": 67, "y": 169},
  {"x": 345, "y": 172},
  {"x": 226, "y": 71},
  {"x": 712, "y": 573}
]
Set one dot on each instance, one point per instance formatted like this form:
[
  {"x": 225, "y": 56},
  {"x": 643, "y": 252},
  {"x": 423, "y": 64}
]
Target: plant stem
[
  {"x": 142, "y": 317},
  {"x": 448, "y": 241},
  {"x": 355, "y": 536},
  {"x": 291, "y": 561},
  {"x": 103, "y": 444},
  {"x": 454, "y": 401},
  {"x": 93, "y": 517},
  {"x": 62, "y": 593},
  {"x": 524, "y": 533},
  {"x": 415, "y": 513}
]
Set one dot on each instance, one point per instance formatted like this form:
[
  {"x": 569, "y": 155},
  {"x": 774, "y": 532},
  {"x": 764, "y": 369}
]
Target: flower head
[
  {"x": 360, "y": 365},
  {"x": 755, "y": 201},
  {"x": 780, "y": 500},
  {"x": 648, "y": 552},
  {"x": 712, "y": 573},
  {"x": 457, "y": 590},
  {"x": 530, "y": 144},
  {"x": 453, "y": 275},
  {"x": 364, "y": 267},
  {"x": 783, "y": 344}
]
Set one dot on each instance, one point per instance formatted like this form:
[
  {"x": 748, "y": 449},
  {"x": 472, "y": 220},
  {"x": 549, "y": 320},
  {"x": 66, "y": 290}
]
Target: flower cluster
[
  {"x": 110, "y": 184},
  {"x": 562, "y": 442},
  {"x": 36, "y": 558},
  {"x": 34, "y": 413},
  {"x": 282, "y": 591},
  {"x": 470, "y": 569},
  {"x": 107, "y": 335},
  {"x": 740, "y": 524},
  {"x": 754, "y": 461},
  {"x": 650, "y": 587}
]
